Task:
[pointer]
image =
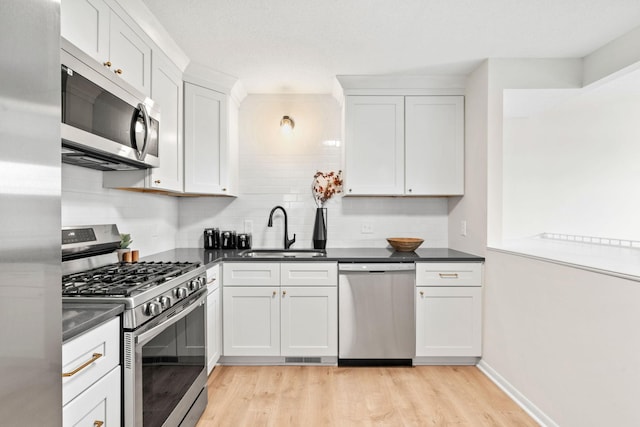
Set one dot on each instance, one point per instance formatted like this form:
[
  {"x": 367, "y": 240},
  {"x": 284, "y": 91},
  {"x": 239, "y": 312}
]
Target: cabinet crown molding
[{"x": 401, "y": 85}]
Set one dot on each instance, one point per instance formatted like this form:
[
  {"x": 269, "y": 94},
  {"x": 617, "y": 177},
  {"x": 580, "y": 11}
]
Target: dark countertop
[
  {"x": 206, "y": 256},
  {"x": 80, "y": 317}
]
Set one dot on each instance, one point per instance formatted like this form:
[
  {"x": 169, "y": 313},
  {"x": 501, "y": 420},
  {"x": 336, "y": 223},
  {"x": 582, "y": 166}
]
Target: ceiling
[{"x": 287, "y": 46}]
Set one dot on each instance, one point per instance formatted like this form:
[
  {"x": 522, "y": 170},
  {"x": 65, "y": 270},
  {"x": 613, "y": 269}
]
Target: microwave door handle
[{"x": 141, "y": 153}]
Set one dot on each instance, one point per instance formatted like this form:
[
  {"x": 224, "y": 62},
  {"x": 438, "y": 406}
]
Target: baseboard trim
[{"x": 515, "y": 395}]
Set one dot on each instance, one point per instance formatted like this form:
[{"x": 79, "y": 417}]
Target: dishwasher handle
[{"x": 376, "y": 267}]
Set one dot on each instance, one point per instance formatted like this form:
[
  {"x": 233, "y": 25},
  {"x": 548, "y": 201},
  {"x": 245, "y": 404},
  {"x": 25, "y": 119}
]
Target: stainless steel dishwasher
[{"x": 376, "y": 314}]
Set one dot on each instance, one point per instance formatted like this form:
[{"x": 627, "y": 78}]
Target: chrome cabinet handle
[
  {"x": 421, "y": 293},
  {"x": 448, "y": 275},
  {"x": 274, "y": 293},
  {"x": 95, "y": 357},
  {"x": 284, "y": 293}
]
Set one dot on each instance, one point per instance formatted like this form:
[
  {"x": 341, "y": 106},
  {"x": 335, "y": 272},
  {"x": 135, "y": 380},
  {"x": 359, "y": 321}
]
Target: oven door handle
[{"x": 151, "y": 333}]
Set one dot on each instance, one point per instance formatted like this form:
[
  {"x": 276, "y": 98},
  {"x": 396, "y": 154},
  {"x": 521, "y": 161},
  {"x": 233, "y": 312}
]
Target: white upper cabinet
[
  {"x": 206, "y": 141},
  {"x": 97, "y": 30},
  {"x": 404, "y": 145},
  {"x": 85, "y": 23},
  {"x": 434, "y": 145},
  {"x": 130, "y": 55},
  {"x": 166, "y": 90},
  {"x": 374, "y": 156}
]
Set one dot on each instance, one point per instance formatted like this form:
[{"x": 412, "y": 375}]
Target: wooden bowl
[{"x": 405, "y": 244}]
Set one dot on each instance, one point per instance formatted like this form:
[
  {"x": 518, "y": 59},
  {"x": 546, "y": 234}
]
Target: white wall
[
  {"x": 574, "y": 165},
  {"x": 472, "y": 207},
  {"x": 561, "y": 339},
  {"x": 564, "y": 338},
  {"x": 152, "y": 220},
  {"x": 278, "y": 170}
]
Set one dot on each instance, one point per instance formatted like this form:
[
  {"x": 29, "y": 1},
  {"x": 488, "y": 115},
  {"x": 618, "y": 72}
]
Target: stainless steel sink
[{"x": 283, "y": 253}]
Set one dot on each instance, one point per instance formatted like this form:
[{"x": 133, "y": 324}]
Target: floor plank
[{"x": 281, "y": 396}]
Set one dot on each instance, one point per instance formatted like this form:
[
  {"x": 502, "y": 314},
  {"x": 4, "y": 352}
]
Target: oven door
[{"x": 165, "y": 373}]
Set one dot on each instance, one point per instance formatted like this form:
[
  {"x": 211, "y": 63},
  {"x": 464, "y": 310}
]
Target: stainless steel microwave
[{"x": 106, "y": 124}]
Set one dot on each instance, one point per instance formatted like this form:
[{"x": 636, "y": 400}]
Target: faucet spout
[{"x": 287, "y": 242}]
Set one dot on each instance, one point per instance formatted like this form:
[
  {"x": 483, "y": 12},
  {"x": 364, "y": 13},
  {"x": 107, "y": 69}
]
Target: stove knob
[
  {"x": 153, "y": 308},
  {"x": 180, "y": 293},
  {"x": 194, "y": 285},
  {"x": 202, "y": 281},
  {"x": 165, "y": 302}
]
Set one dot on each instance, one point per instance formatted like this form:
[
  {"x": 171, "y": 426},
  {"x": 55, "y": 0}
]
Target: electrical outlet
[
  {"x": 248, "y": 226},
  {"x": 463, "y": 228},
  {"x": 367, "y": 228}
]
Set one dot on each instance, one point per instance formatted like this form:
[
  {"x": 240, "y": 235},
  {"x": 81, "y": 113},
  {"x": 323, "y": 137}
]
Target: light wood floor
[{"x": 336, "y": 396}]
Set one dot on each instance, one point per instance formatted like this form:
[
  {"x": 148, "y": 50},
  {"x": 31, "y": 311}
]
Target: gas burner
[{"x": 122, "y": 279}]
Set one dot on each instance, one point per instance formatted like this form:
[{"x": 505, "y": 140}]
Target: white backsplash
[
  {"x": 152, "y": 220},
  {"x": 274, "y": 170}
]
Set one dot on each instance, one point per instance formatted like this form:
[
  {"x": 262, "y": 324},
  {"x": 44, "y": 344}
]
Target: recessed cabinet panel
[
  {"x": 434, "y": 145},
  {"x": 448, "y": 321},
  {"x": 309, "y": 274},
  {"x": 100, "y": 403},
  {"x": 309, "y": 321},
  {"x": 130, "y": 54},
  {"x": 251, "y": 321},
  {"x": 167, "y": 92},
  {"x": 85, "y": 23},
  {"x": 448, "y": 274},
  {"x": 374, "y": 156},
  {"x": 101, "y": 347},
  {"x": 251, "y": 274}
]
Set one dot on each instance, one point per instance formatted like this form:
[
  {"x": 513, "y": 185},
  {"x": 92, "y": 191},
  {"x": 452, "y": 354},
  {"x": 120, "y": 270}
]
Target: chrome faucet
[{"x": 287, "y": 242}]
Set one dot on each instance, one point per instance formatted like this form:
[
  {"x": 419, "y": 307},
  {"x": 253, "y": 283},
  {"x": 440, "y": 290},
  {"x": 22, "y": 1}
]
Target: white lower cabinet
[
  {"x": 448, "y": 321},
  {"x": 309, "y": 321},
  {"x": 214, "y": 319},
  {"x": 99, "y": 405},
  {"x": 91, "y": 377},
  {"x": 448, "y": 309},
  {"x": 272, "y": 319},
  {"x": 251, "y": 321}
]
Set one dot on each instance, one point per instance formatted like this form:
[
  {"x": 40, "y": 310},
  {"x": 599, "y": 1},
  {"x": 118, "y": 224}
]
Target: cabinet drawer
[
  {"x": 448, "y": 274},
  {"x": 251, "y": 274},
  {"x": 99, "y": 403},
  {"x": 309, "y": 274},
  {"x": 99, "y": 346}
]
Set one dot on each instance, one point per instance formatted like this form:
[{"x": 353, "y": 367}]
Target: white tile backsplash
[
  {"x": 152, "y": 220},
  {"x": 274, "y": 170}
]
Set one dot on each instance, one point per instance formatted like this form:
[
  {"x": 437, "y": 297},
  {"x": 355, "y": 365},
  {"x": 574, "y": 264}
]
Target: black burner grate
[{"x": 123, "y": 279}]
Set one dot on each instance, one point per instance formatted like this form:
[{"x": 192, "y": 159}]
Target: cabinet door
[
  {"x": 374, "y": 145},
  {"x": 166, "y": 90},
  {"x": 434, "y": 144},
  {"x": 309, "y": 321},
  {"x": 100, "y": 346},
  {"x": 314, "y": 273},
  {"x": 251, "y": 274},
  {"x": 214, "y": 329},
  {"x": 448, "y": 321},
  {"x": 251, "y": 321},
  {"x": 85, "y": 23},
  {"x": 130, "y": 55},
  {"x": 205, "y": 113},
  {"x": 100, "y": 403}
]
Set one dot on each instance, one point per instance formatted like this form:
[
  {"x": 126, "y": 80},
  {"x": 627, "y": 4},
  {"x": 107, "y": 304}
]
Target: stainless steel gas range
[{"x": 164, "y": 324}]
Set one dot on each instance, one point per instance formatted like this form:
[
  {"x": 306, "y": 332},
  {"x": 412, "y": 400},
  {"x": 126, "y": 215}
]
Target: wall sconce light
[{"x": 287, "y": 124}]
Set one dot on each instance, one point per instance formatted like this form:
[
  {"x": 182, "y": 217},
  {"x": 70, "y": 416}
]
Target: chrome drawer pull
[
  {"x": 95, "y": 357},
  {"x": 448, "y": 275}
]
